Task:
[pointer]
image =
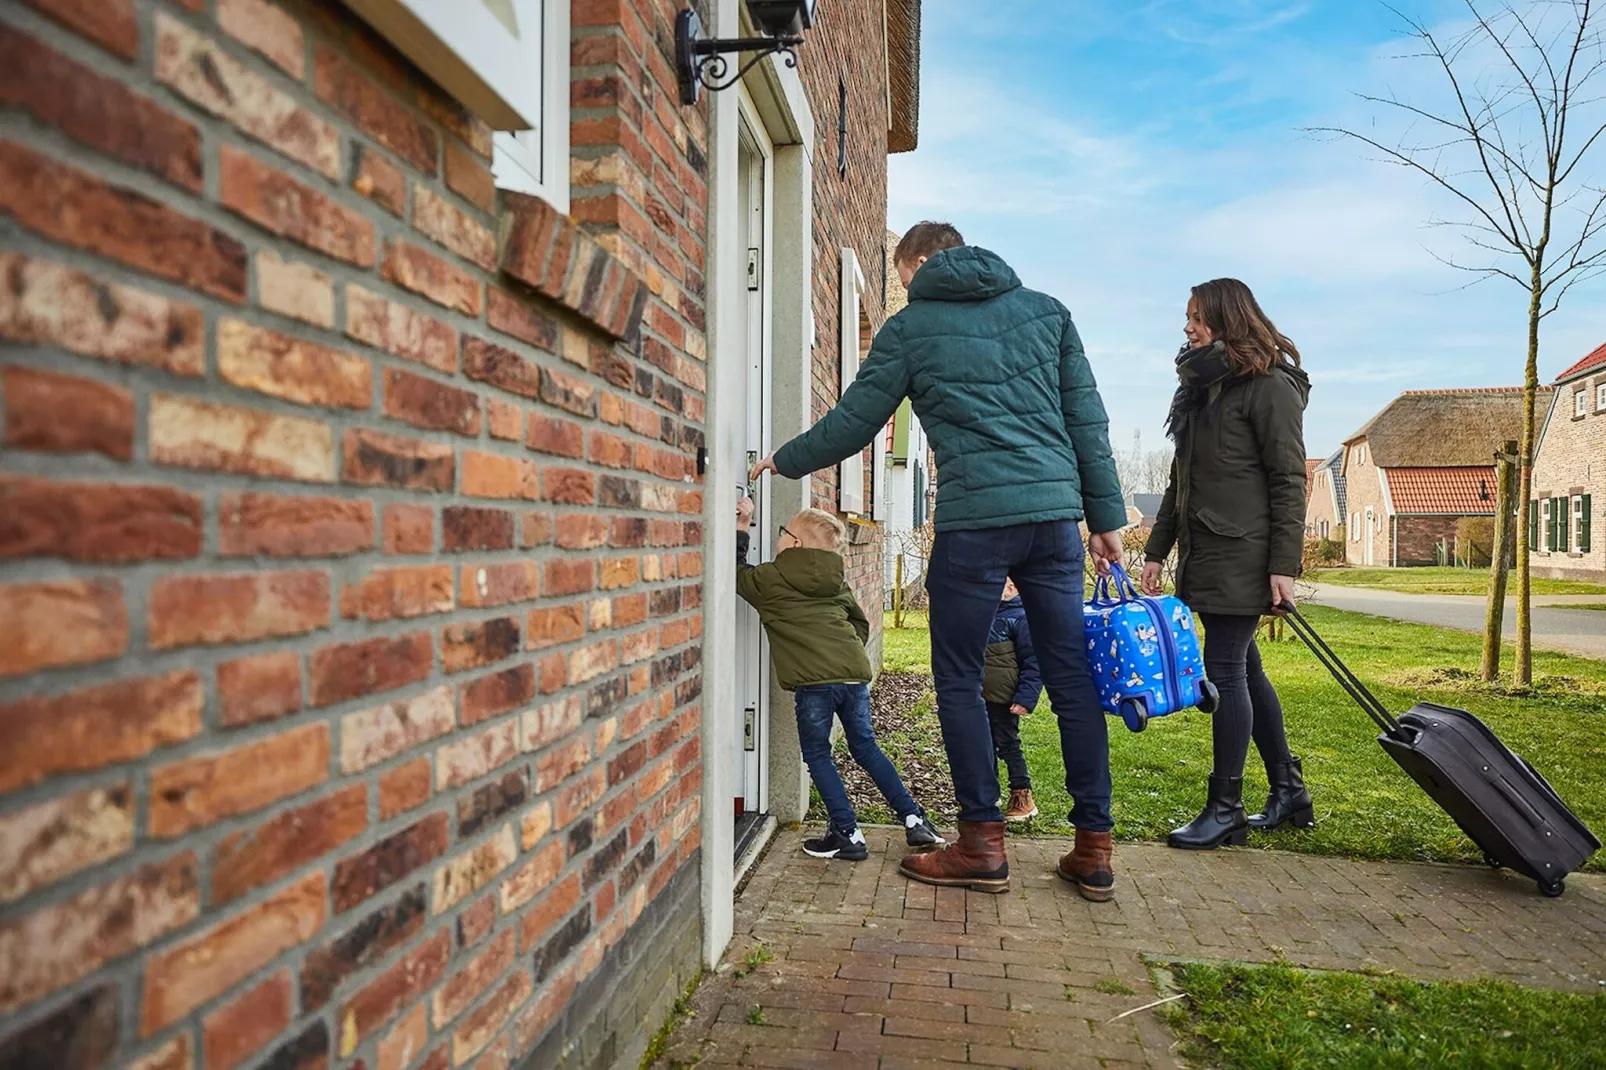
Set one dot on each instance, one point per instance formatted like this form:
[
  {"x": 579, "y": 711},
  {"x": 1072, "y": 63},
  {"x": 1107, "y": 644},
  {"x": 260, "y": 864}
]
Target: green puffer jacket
[
  {"x": 1003, "y": 390},
  {"x": 817, "y": 630}
]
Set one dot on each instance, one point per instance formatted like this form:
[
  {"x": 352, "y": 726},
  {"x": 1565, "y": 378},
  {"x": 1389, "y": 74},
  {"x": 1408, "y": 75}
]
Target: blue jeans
[
  {"x": 816, "y": 705},
  {"x": 965, "y": 578}
]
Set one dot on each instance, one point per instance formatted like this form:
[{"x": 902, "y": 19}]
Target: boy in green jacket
[{"x": 817, "y": 634}]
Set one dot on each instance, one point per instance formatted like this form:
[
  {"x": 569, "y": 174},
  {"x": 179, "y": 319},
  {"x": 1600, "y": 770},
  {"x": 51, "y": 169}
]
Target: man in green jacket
[{"x": 997, "y": 375}]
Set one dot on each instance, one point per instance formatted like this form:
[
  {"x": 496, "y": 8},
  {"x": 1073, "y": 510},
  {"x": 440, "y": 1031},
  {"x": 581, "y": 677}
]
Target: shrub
[{"x": 1474, "y": 536}]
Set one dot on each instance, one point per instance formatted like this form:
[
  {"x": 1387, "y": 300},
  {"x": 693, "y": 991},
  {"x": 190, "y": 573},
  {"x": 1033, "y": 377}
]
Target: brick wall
[
  {"x": 1320, "y": 507},
  {"x": 1417, "y": 539},
  {"x": 1571, "y": 459},
  {"x": 349, "y": 612},
  {"x": 1363, "y": 487},
  {"x": 848, "y": 48}
]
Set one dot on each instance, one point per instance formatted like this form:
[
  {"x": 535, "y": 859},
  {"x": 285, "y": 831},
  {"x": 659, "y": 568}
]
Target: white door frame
[{"x": 1369, "y": 551}]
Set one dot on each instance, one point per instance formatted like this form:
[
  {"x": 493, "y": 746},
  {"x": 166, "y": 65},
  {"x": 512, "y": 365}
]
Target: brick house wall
[
  {"x": 351, "y": 539},
  {"x": 1364, "y": 488},
  {"x": 848, "y": 49},
  {"x": 1417, "y": 539},
  {"x": 1571, "y": 460},
  {"x": 1320, "y": 507}
]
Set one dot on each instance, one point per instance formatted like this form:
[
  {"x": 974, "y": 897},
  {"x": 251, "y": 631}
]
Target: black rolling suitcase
[{"x": 1500, "y": 801}]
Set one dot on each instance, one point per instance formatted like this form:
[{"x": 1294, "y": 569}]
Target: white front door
[
  {"x": 1370, "y": 529},
  {"x": 750, "y": 747}
]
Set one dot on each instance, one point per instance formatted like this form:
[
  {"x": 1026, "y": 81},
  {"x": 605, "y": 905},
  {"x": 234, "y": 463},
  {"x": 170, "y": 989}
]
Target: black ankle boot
[
  {"x": 1221, "y": 821},
  {"x": 1288, "y": 801}
]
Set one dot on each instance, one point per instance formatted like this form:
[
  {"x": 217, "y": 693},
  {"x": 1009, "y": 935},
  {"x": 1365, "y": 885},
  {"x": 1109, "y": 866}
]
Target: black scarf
[{"x": 1197, "y": 371}]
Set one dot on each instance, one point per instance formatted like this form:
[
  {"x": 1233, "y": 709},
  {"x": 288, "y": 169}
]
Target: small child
[
  {"x": 1010, "y": 685},
  {"x": 817, "y": 634}
]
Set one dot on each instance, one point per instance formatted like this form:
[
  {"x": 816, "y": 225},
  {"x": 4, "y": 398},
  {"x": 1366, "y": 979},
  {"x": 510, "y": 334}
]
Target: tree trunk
[
  {"x": 1494, "y": 614},
  {"x": 1524, "y": 670}
]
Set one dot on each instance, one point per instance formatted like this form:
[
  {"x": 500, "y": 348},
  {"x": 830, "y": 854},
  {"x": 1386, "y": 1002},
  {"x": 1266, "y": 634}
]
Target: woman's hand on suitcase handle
[
  {"x": 1282, "y": 592},
  {"x": 1149, "y": 582}
]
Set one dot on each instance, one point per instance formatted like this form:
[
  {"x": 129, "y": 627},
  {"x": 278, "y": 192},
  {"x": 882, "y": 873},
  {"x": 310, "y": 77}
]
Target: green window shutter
[
  {"x": 1564, "y": 506},
  {"x": 1583, "y": 525},
  {"x": 900, "y": 432},
  {"x": 1550, "y": 524},
  {"x": 1533, "y": 524}
]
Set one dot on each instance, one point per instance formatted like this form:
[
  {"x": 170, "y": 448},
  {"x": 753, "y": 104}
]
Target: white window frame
[
  {"x": 1575, "y": 521},
  {"x": 850, "y": 473},
  {"x": 1355, "y": 527},
  {"x": 536, "y": 160},
  {"x": 1581, "y": 403},
  {"x": 1600, "y": 397}
]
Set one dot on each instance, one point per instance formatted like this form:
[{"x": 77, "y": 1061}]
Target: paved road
[{"x": 1555, "y": 627}]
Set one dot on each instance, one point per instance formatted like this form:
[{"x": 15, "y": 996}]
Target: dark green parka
[
  {"x": 1003, "y": 390},
  {"x": 817, "y": 630},
  {"x": 1235, "y": 506}
]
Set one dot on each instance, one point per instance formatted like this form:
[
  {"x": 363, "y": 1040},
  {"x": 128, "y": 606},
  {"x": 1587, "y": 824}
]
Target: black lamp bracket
[{"x": 700, "y": 62}]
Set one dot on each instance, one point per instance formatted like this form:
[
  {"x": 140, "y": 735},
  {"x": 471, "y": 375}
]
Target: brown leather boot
[
  {"x": 1022, "y": 807},
  {"x": 976, "y": 861},
  {"x": 1088, "y": 866}
]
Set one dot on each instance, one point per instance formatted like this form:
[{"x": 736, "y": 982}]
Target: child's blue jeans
[{"x": 816, "y": 705}]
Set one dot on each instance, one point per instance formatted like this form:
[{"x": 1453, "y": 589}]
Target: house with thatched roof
[
  {"x": 1569, "y": 468},
  {"x": 1324, "y": 503},
  {"x": 1420, "y": 465}
]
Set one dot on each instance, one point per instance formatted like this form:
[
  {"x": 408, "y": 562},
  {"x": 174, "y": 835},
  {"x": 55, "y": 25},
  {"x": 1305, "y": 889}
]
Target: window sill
[{"x": 547, "y": 251}]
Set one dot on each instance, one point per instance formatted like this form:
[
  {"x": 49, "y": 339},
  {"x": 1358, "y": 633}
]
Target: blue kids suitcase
[{"x": 1144, "y": 653}]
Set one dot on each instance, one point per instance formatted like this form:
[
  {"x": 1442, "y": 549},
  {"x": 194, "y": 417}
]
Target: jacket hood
[
  {"x": 1297, "y": 376},
  {"x": 965, "y": 273},
  {"x": 816, "y": 573}
]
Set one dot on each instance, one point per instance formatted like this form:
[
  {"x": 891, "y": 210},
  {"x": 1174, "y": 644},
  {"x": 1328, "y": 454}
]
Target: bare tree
[
  {"x": 1143, "y": 471},
  {"x": 1514, "y": 150}
]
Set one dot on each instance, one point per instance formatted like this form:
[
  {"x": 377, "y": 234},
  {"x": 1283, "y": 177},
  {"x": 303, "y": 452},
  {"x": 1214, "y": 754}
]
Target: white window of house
[
  {"x": 536, "y": 160},
  {"x": 1580, "y": 524},
  {"x": 850, "y": 473},
  {"x": 1581, "y": 403},
  {"x": 1360, "y": 454},
  {"x": 1600, "y": 398},
  {"x": 1355, "y": 527}
]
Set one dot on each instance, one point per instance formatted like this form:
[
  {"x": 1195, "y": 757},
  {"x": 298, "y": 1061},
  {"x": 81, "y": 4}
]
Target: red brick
[
  {"x": 466, "y": 874},
  {"x": 284, "y": 844},
  {"x": 198, "y": 70},
  {"x": 504, "y": 419},
  {"x": 194, "y": 434},
  {"x": 619, "y": 572},
  {"x": 409, "y": 529},
  {"x": 496, "y": 694},
  {"x": 439, "y": 220},
  {"x": 501, "y": 367},
  {"x": 471, "y": 981},
  {"x": 273, "y": 526},
  {"x": 568, "y": 393},
  {"x": 174, "y": 1055},
  {"x": 280, "y": 205},
  {"x": 351, "y": 670},
  {"x": 569, "y": 576},
  {"x": 547, "y": 724},
  {"x": 260, "y": 688},
  {"x": 515, "y": 316},
  {"x": 79, "y": 1034},
  {"x": 399, "y": 593},
  {"x": 581, "y": 531},
  {"x": 98, "y": 111},
  {"x": 293, "y": 289},
  {"x": 474, "y": 528},
  {"x": 381, "y": 181},
  {"x": 208, "y": 964},
  {"x": 111, "y": 24},
  {"x": 412, "y": 976},
  {"x": 405, "y": 1042},
  {"x": 72, "y": 207},
  {"x": 425, "y": 403},
  {"x": 233, "y": 1033},
  {"x": 629, "y": 610},
  {"x": 268, "y": 30},
  {"x": 404, "y": 788},
  {"x": 481, "y": 1026},
  {"x": 491, "y": 475},
  {"x": 307, "y": 1050},
  {"x": 100, "y": 522},
  {"x": 554, "y": 673},
  {"x": 65, "y": 414},
  {"x": 45, "y": 302},
  {"x": 294, "y": 369},
  {"x": 538, "y": 922},
  {"x": 548, "y": 434},
  {"x": 427, "y": 275},
  {"x": 472, "y": 646},
  {"x": 195, "y": 792},
  {"x": 399, "y": 330},
  {"x": 187, "y": 610},
  {"x": 52, "y": 840},
  {"x": 70, "y": 622},
  {"x": 54, "y": 946},
  {"x": 536, "y": 530},
  {"x": 469, "y": 178},
  {"x": 373, "y": 459},
  {"x": 376, "y": 735},
  {"x": 491, "y": 585},
  {"x": 364, "y": 875},
  {"x": 376, "y": 112}
]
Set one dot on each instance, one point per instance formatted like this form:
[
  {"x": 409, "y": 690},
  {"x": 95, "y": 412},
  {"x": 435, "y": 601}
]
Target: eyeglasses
[{"x": 785, "y": 532}]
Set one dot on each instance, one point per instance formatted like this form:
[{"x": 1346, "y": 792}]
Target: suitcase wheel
[
  {"x": 1552, "y": 889},
  {"x": 1209, "y": 697},
  {"x": 1491, "y": 861},
  {"x": 1135, "y": 712}
]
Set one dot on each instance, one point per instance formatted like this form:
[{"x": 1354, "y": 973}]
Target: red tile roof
[
  {"x": 1453, "y": 491},
  {"x": 1311, "y": 464},
  {"x": 1595, "y": 359}
]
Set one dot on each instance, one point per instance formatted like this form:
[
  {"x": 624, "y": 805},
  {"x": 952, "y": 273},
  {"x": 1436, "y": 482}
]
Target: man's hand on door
[{"x": 765, "y": 465}]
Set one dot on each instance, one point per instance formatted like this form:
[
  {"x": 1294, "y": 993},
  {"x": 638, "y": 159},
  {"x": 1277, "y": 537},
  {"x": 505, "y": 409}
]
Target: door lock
[
  {"x": 750, "y": 730},
  {"x": 752, "y": 269}
]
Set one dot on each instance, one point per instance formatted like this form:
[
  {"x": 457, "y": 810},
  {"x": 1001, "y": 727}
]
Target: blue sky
[{"x": 1118, "y": 152}]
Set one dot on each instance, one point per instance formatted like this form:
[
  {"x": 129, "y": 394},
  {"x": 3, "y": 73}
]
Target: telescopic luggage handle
[{"x": 1346, "y": 679}]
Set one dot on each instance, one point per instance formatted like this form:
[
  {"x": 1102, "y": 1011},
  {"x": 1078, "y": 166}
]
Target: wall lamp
[{"x": 700, "y": 62}]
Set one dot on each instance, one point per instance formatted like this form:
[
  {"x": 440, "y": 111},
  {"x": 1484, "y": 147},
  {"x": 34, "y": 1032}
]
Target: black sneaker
[
  {"x": 919, "y": 832},
  {"x": 850, "y": 847}
]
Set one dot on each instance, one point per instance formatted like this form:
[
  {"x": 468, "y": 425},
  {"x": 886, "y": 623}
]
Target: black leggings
[{"x": 1249, "y": 705}]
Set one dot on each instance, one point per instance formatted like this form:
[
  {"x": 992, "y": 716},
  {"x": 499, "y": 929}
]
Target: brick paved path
[{"x": 872, "y": 972}]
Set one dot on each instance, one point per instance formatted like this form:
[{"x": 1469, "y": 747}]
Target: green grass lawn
[
  {"x": 1266, "y": 1017},
  {"x": 1441, "y": 581},
  {"x": 1366, "y": 807}
]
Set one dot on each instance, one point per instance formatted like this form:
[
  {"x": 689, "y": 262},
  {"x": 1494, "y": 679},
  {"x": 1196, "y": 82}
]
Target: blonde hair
[{"x": 818, "y": 530}]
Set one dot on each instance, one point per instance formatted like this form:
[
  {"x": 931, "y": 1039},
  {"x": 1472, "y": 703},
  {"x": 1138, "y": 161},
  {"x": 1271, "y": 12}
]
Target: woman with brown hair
[{"x": 1235, "y": 512}]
